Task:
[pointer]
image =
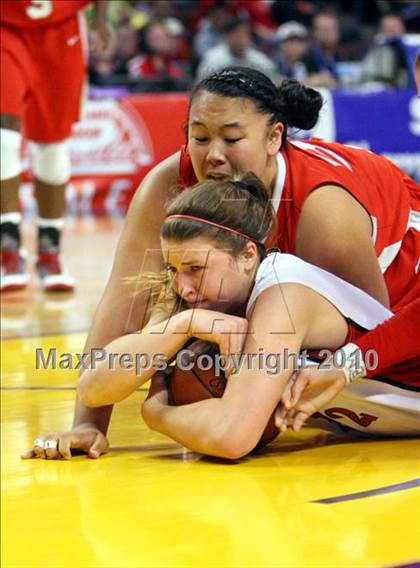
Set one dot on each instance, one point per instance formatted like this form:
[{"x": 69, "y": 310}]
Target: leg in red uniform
[
  {"x": 13, "y": 92},
  {"x": 48, "y": 69}
]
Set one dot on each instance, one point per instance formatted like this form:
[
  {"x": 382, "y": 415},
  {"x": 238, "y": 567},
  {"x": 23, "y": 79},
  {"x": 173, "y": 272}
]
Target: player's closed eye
[{"x": 173, "y": 270}]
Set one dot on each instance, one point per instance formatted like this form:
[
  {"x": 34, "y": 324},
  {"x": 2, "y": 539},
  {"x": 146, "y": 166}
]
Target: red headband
[{"x": 206, "y": 222}]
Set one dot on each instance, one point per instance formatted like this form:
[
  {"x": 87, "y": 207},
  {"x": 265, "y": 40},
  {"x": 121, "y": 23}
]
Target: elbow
[
  {"x": 234, "y": 445},
  {"x": 231, "y": 452},
  {"x": 86, "y": 393}
]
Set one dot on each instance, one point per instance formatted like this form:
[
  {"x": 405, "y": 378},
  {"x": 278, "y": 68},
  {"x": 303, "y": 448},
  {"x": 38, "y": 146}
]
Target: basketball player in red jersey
[
  {"x": 43, "y": 75},
  {"x": 393, "y": 341},
  {"x": 343, "y": 209},
  {"x": 310, "y": 182}
]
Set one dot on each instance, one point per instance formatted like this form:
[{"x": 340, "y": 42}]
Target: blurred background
[
  {"x": 359, "y": 53},
  {"x": 162, "y": 45}
]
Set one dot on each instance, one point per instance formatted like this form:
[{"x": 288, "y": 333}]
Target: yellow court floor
[{"x": 150, "y": 503}]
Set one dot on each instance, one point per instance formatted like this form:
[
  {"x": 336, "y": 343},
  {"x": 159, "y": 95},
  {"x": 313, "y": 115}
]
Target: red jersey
[
  {"x": 35, "y": 13},
  {"x": 391, "y": 198},
  {"x": 395, "y": 340}
]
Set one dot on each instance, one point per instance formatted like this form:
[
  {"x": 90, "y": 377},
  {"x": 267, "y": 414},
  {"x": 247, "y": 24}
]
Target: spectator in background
[
  {"x": 158, "y": 60},
  {"x": 210, "y": 30},
  {"x": 391, "y": 27},
  {"x": 180, "y": 39},
  {"x": 161, "y": 9},
  {"x": 236, "y": 50},
  {"x": 292, "y": 39},
  {"x": 259, "y": 15},
  {"x": 386, "y": 63},
  {"x": 102, "y": 63},
  {"x": 409, "y": 10},
  {"x": 155, "y": 9},
  {"x": 110, "y": 66},
  {"x": 320, "y": 60},
  {"x": 301, "y": 11},
  {"x": 126, "y": 48}
]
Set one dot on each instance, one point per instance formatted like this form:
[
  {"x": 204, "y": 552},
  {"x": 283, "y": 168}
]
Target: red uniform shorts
[{"x": 43, "y": 77}]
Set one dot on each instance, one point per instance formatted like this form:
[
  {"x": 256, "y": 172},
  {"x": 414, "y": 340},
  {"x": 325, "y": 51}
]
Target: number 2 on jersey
[{"x": 362, "y": 419}]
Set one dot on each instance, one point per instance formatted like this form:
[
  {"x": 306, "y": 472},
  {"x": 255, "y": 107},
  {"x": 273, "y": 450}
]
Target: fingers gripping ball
[{"x": 197, "y": 383}]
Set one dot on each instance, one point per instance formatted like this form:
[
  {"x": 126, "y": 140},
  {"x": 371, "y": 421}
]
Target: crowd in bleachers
[{"x": 164, "y": 45}]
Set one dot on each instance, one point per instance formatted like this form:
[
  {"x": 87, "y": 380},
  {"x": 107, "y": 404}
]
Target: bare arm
[
  {"x": 99, "y": 37},
  {"x": 120, "y": 313},
  {"x": 232, "y": 425},
  {"x": 394, "y": 341},
  {"x": 334, "y": 232},
  {"x": 159, "y": 340}
]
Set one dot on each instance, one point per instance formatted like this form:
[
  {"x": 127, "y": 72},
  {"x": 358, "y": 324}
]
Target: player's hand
[
  {"x": 156, "y": 401},
  {"x": 227, "y": 331},
  {"x": 99, "y": 37},
  {"x": 306, "y": 392},
  {"x": 57, "y": 445}
]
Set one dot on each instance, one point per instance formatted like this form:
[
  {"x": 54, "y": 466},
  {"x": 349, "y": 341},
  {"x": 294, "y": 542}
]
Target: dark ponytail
[
  {"x": 299, "y": 105},
  {"x": 291, "y": 103}
]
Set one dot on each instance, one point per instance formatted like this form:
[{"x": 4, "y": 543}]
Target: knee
[
  {"x": 10, "y": 162},
  {"x": 51, "y": 162}
]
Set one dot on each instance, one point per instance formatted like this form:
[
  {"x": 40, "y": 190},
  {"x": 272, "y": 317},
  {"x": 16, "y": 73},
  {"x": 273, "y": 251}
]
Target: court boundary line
[
  {"x": 411, "y": 484},
  {"x": 44, "y": 335}
]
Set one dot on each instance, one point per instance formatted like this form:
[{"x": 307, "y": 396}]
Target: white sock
[
  {"x": 14, "y": 217},
  {"x": 50, "y": 223}
]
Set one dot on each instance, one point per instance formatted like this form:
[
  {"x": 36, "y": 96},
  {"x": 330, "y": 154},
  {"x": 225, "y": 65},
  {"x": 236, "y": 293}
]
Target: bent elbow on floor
[
  {"x": 232, "y": 446},
  {"x": 87, "y": 394}
]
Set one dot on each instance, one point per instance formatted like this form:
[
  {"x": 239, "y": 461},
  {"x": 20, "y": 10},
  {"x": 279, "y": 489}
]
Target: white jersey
[{"x": 370, "y": 406}]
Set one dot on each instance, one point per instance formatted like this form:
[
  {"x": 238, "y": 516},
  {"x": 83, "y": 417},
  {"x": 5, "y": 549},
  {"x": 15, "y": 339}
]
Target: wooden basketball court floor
[{"x": 307, "y": 500}]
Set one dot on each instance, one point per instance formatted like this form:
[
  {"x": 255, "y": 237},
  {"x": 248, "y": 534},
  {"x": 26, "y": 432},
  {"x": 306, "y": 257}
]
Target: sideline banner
[
  {"x": 385, "y": 122},
  {"x": 119, "y": 141}
]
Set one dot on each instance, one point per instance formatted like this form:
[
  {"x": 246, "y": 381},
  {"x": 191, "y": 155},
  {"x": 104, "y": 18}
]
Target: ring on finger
[
  {"x": 39, "y": 442},
  {"x": 50, "y": 445}
]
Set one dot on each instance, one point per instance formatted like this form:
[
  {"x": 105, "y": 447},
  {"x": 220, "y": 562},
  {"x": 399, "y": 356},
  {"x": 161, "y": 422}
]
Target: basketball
[{"x": 188, "y": 386}]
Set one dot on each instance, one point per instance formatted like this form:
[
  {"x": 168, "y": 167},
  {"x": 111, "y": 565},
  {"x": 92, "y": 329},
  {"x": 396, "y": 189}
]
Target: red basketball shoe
[
  {"x": 52, "y": 277},
  {"x": 13, "y": 270}
]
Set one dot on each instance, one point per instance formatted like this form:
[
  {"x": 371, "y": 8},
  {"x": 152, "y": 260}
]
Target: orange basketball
[{"x": 188, "y": 386}]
